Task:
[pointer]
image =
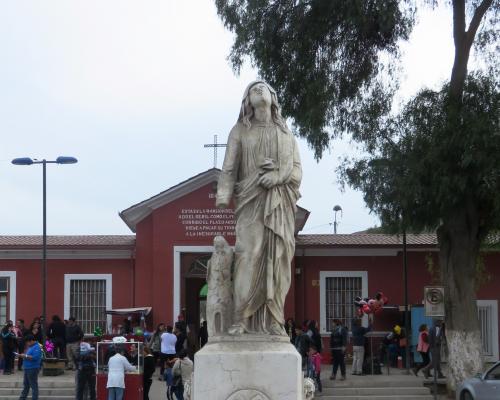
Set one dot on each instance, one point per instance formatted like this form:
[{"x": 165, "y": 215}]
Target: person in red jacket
[
  {"x": 423, "y": 348},
  {"x": 315, "y": 367}
]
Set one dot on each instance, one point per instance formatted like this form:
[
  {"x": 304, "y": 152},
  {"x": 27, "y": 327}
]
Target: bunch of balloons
[
  {"x": 370, "y": 306},
  {"x": 98, "y": 332},
  {"x": 49, "y": 347}
]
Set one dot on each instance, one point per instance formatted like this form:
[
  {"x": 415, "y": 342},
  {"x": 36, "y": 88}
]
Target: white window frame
[
  {"x": 109, "y": 292},
  {"x": 12, "y": 292},
  {"x": 494, "y": 325},
  {"x": 323, "y": 275}
]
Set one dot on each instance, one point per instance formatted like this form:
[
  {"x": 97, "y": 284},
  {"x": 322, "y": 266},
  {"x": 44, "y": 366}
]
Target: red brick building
[{"x": 163, "y": 264}]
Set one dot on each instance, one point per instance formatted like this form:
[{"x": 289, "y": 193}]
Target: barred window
[
  {"x": 488, "y": 322},
  {"x": 88, "y": 303},
  {"x": 340, "y": 293}
]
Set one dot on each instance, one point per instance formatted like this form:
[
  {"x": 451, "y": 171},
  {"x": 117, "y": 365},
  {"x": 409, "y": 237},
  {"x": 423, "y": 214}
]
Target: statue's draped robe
[{"x": 265, "y": 222}]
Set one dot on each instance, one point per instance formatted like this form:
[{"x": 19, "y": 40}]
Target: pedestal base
[{"x": 248, "y": 368}]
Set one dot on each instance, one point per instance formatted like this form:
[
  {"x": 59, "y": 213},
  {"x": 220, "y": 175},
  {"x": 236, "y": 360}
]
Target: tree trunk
[{"x": 459, "y": 242}]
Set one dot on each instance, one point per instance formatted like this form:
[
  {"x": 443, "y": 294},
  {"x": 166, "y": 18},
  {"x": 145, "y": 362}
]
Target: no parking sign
[{"x": 434, "y": 301}]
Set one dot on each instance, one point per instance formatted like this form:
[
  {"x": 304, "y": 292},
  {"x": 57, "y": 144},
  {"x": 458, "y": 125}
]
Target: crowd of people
[
  {"x": 26, "y": 344},
  {"x": 171, "y": 349},
  {"x": 391, "y": 348}
]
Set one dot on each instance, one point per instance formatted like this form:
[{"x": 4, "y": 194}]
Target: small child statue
[{"x": 220, "y": 288}]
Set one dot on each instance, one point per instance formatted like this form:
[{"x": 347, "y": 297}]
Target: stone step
[
  {"x": 40, "y": 397},
  {"x": 385, "y": 397},
  {"x": 370, "y": 383},
  {"x": 42, "y": 391},
  {"x": 376, "y": 391},
  {"x": 42, "y": 384}
]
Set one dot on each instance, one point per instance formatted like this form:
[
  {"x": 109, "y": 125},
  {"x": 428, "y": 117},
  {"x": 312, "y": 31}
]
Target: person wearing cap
[{"x": 31, "y": 365}]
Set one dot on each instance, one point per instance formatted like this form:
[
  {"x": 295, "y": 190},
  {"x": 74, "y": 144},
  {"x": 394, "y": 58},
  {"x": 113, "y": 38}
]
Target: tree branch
[{"x": 476, "y": 20}]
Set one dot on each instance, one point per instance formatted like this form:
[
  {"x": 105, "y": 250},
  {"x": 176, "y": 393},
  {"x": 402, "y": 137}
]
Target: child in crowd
[
  {"x": 168, "y": 376},
  {"x": 314, "y": 367}
]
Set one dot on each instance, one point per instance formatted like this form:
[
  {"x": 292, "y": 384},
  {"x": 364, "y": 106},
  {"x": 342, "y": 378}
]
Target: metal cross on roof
[{"x": 215, "y": 146}]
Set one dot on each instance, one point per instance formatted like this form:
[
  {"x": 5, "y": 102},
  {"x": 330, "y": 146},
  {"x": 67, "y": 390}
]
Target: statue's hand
[{"x": 269, "y": 179}]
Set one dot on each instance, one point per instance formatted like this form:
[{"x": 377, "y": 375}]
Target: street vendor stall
[
  {"x": 133, "y": 351},
  {"x": 139, "y": 312}
]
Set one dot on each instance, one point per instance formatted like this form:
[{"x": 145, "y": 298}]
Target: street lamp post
[
  {"x": 29, "y": 161},
  {"x": 336, "y": 209}
]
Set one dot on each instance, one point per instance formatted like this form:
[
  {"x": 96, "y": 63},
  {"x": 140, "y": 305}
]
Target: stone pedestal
[{"x": 248, "y": 367}]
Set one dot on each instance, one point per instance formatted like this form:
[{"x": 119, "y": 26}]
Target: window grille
[
  {"x": 4, "y": 293},
  {"x": 340, "y": 294},
  {"x": 485, "y": 321},
  {"x": 88, "y": 303}
]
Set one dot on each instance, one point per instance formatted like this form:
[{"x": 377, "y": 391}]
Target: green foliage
[
  {"x": 437, "y": 157},
  {"x": 322, "y": 56}
]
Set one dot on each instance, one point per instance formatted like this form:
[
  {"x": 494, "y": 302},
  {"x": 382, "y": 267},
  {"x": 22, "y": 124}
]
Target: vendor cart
[{"x": 133, "y": 351}]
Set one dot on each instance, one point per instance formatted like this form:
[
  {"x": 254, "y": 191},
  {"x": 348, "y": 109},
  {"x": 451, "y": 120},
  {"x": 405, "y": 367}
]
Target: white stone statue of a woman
[{"x": 262, "y": 172}]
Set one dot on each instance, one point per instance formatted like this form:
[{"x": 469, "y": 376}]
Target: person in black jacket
[
  {"x": 21, "y": 332},
  {"x": 358, "y": 346},
  {"x": 36, "y": 330},
  {"x": 149, "y": 369},
  {"x": 203, "y": 334},
  {"x": 313, "y": 333},
  {"x": 338, "y": 343},
  {"x": 73, "y": 336},
  {"x": 9, "y": 342},
  {"x": 85, "y": 359},
  {"x": 57, "y": 333},
  {"x": 302, "y": 344}
]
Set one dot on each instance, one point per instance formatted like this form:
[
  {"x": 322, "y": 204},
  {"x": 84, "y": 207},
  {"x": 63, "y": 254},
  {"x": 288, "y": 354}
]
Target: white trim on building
[
  {"x": 109, "y": 291},
  {"x": 65, "y": 254},
  {"x": 12, "y": 292},
  {"x": 323, "y": 275}
]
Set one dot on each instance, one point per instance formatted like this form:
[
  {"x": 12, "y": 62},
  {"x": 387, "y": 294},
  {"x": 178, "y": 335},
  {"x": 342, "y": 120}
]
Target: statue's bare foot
[{"x": 236, "y": 330}]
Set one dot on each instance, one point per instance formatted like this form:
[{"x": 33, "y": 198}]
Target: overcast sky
[{"x": 134, "y": 90}]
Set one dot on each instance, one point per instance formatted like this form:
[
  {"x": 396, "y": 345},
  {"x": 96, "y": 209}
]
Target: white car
[{"x": 485, "y": 386}]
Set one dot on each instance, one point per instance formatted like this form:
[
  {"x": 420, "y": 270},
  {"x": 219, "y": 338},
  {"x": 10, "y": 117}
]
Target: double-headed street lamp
[{"x": 29, "y": 161}]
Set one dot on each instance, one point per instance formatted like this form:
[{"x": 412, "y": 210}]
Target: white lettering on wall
[{"x": 207, "y": 222}]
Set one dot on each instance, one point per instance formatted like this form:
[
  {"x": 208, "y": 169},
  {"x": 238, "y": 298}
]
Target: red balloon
[{"x": 367, "y": 309}]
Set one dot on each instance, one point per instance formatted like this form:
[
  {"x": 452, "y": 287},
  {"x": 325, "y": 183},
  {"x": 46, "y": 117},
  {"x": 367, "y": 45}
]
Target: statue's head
[{"x": 257, "y": 94}]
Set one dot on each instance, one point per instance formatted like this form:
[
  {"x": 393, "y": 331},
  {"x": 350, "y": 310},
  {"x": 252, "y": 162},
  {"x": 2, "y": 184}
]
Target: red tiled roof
[
  {"x": 128, "y": 241},
  {"x": 366, "y": 239},
  {"x": 68, "y": 241}
]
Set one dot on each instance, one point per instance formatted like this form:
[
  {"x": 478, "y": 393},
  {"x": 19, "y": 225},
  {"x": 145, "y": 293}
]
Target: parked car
[{"x": 485, "y": 386}]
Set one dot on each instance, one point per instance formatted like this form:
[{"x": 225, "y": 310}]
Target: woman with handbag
[{"x": 182, "y": 370}]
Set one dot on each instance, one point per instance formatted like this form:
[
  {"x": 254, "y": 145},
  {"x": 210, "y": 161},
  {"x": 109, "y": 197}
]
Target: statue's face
[{"x": 260, "y": 96}]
